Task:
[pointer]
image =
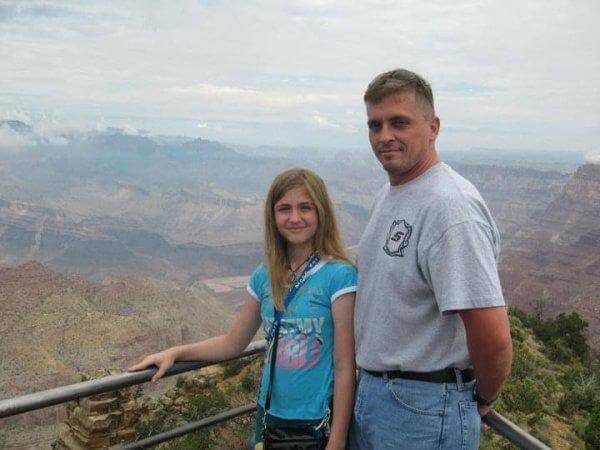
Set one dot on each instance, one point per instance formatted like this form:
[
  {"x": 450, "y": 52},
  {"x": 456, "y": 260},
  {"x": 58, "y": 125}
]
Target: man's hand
[{"x": 483, "y": 411}]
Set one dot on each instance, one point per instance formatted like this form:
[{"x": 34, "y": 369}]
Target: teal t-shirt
[{"x": 303, "y": 384}]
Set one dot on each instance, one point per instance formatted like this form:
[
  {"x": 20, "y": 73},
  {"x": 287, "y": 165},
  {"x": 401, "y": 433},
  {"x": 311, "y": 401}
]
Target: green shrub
[
  {"x": 582, "y": 389},
  {"x": 583, "y": 397},
  {"x": 248, "y": 383},
  {"x": 526, "y": 363},
  {"x": 525, "y": 319},
  {"x": 192, "y": 441},
  {"x": 525, "y": 395},
  {"x": 579, "y": 425},
  {"x": 542, "y": 436},
  {"x": 563, "y": 336},
  {"x": 592, "y": 431},
  {"x": 235, "y": 366},
  {"x": 147, "y": 428},
  {"x": 208, "y": 403}
]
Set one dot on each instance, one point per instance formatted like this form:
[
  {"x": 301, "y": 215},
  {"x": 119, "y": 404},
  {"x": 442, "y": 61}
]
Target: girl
[{"x": 315, "y": 341}]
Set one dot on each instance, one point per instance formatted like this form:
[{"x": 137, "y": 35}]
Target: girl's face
[{"x": 296, "y": 217}]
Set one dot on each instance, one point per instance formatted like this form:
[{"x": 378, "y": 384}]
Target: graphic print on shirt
[
  {"x": 397, "y": 238},
  {"x": 300, "y": 342}
]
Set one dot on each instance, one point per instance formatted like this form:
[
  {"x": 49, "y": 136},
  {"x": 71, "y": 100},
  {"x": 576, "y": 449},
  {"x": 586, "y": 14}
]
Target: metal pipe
[
  {"x": 50, "y": 397},
  {"x": 188, "y": 428},
  {"x": 513, "y": 433},
  {"x": 500, "y": 424}
]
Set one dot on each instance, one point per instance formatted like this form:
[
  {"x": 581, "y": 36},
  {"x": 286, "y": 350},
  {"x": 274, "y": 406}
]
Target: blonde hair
[{"x": 327, "y": 237}]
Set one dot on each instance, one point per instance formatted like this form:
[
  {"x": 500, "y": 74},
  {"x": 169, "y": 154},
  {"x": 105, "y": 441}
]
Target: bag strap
[{"x": 273, "y": 335}]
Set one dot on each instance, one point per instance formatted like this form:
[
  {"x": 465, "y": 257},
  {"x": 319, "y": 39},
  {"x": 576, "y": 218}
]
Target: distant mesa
[
  {"x": 203, "y": 144},
  {"x": 100, "y": 247},
  {"x": 212, "y": 149},
  {"x": 125, "y": 143}
]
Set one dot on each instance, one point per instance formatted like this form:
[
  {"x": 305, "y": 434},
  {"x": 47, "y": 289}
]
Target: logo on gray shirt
[{"x": 397, "y": 238}]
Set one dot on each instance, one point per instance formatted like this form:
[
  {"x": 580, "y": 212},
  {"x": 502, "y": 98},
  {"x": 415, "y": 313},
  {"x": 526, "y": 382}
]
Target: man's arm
[{"x": 490, "y": 349}]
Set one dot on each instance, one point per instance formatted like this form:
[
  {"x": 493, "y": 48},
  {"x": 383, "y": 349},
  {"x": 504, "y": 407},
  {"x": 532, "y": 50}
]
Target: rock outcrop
[
  {"x": 99, "y": 421},
  {"x": 107, "y": 420}
]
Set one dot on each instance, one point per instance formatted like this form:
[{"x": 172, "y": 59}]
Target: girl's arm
[
  {"x": 344, "y": 370},
  {"x": 216, "y": 348}
]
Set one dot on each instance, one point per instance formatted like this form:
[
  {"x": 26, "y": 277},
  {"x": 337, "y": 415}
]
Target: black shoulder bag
[{"x": 301, "y": 437}]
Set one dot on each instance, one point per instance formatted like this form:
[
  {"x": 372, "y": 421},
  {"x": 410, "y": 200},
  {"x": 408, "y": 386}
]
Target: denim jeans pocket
[
  {"x": 418, "y": 397},
  {"x": 470, "y": 422}
]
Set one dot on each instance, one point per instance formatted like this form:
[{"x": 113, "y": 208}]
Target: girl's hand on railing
[{"x": 163, "y": 361}]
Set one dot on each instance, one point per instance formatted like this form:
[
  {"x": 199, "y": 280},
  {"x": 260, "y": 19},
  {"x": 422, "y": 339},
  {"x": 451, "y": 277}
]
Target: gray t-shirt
[{"x": 430, "y": 248}]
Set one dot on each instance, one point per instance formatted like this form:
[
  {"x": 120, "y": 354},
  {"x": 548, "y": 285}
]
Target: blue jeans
[{"x": 408, "y": 414}]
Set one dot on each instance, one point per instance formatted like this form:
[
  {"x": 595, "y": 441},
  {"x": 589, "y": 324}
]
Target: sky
[{"x": 510, "y": 74}]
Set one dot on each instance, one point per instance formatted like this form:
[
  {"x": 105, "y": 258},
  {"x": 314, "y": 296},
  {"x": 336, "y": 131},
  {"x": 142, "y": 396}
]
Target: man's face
[{"x": 400, "y": 134}]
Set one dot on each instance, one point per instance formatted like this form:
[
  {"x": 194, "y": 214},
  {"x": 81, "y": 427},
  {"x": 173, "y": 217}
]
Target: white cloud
[
  {"x": 593, "y": 157},
  {"x": 252, "y": 97},
  {"x": 527, "y": 69},
  {"x": 130, "y": 130},
  {"x": 323, "y": 122},
  {"x": 12, "y": 141},
  {"x": 52, "y": 128},
  {"x": 213, "y": 90},
  {"x": 36, "y": 129}
]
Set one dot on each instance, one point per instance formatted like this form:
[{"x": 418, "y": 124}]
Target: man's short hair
[{"x": 399, "y": 81}]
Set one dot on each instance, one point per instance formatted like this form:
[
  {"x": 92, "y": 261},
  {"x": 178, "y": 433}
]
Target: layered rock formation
[
  {"x": 576, "y": 211},
  {"x": 513, "y": 194},
  {"x": 99, "y": 421},
  {"x": 99, "y": 248},
  {"x": 107, "y": 420},
  {"x": 553, "y": 264}
]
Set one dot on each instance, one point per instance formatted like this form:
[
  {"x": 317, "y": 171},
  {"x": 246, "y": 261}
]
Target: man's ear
[{"x": 434, "y": 128}]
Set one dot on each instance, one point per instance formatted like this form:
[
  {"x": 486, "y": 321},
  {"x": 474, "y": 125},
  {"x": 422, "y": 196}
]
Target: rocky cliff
[
  {"x": 576, "y": 210},
  {"x": 553, "y": 264},
  {"x": 54, "y": 326},
  {"x": 513, "y": 194}
]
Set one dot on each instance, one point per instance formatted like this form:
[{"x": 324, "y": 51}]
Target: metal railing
[
  {"x": 38, "y": 400},
  {"x": 188, "y": 428}
]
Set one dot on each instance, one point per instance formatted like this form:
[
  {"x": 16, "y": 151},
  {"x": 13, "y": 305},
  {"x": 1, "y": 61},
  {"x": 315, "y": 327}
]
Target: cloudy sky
[{"x": 506, "y": 74}]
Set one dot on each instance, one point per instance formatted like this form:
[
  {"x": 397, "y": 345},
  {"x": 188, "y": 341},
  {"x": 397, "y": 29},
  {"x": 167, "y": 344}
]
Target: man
[{"x": 430, "y": 315}]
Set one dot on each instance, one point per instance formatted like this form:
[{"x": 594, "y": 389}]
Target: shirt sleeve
[
  {"x": 343, "y": 281},
  {"x": 461, "y": 268},
  {"x": 255, "y": 285}
]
